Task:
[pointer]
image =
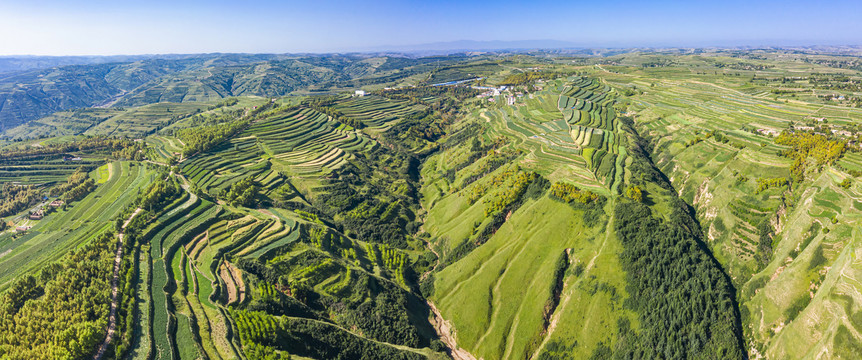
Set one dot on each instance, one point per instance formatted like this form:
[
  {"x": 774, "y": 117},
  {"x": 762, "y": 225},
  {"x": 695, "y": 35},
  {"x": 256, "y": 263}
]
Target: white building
[{"x": 359, "y": 93}]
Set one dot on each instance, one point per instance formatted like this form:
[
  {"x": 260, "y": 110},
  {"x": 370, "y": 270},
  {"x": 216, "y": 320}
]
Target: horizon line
[{"x": 418, "y": 48}]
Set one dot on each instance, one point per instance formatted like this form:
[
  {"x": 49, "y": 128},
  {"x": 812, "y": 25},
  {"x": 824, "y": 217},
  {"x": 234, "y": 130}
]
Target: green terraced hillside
[{"x": 545, "y": 205}]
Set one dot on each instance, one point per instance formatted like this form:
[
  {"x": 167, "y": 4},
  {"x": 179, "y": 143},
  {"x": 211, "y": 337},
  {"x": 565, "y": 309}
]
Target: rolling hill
[{"x": 638, "y": 204}]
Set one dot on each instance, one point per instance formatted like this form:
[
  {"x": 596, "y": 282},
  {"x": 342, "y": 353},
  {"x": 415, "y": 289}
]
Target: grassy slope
[
  {"x": 496, "y": 294},
  {"x": 704, "y": 174}
]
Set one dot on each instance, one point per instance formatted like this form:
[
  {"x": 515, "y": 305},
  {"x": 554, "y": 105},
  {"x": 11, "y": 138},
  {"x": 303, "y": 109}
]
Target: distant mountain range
[
  {"x": 15, "y": 63},
  {"x": 474, "y": 45},
  {"x": 51, "y": 84},
  {"x": 35, "y": 86}
]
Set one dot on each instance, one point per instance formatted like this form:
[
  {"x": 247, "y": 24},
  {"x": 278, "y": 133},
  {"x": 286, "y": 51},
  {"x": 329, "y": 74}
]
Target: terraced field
[
  {"x": 52, "y": 237},
  {"x": 196, "y": 282},
  {"x": 512, "y": 296},
  {"x": 376, "y": 112},
  {"x": 300, "y": 142},
  {"x": 163, "y": 148},
  {"x": 62, "y": 123},
  {"x": 28, "y": 171},
  {"x": 140, "y": 121},
  {"x": 630, "y": 205},
  {"x": 570, "y": 128},
  {"x": 790, "y": 294}
]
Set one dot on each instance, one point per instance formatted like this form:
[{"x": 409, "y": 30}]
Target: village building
[
  {"x": 38, "y": 215},
  {"x": 842, "y": 132},
  {"x": 769, "y": 132}
]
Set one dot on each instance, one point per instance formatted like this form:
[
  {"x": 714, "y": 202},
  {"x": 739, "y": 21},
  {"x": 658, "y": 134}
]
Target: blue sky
[{"x": 54, "y": 27}]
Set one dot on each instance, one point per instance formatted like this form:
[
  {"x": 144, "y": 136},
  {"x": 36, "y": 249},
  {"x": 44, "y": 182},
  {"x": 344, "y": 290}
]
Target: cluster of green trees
[
  {"x": 307, "y": 216},
  {"x": 764, "y": 243},
  {"x": 381, "y": 184},
  {"x": 768, "y": 183},
  {"x": 62, "y": 312},
  {"x": 231, "y": 101},
  {"x": 494, "y": 161},
  {"x": 80, "y": 191},
  {"x": 319, "y": 340},
  {"x": 720, "y": 137},
  {"x": 417, "y": 94},
  {"x": 694, "y": 141},
  {"x": 496, "y": 181},
  {"x": 635, "y": 193},
  {"x": 377, "y": 308},
  {"x": 386, "y": 316},
  {"x": 393, "y": 260},
  {"x": 256, "y": 330},
  {"x": 684, "y": 300},
  {"x": 331, "y": 242},
  {"x": 266, "y": 291},
  {"x": 591, "y": 203},
  {"x": 319, "y": 237},
  {"x": 87, "y": 144},
  {"x": 478, "y": 150},
  {"x": 76, "y": 187},
  {"x": 245, "y": 192},
  {"x": 15, "y": 198},
  {"x": 133, "y": 152},
  {"x": 201, "y": 139},
  {"x": 324, "y": 104},
  {"x": 369, "y": 225},
  {"x": 77, "y": 177},
  {"x": 568, "y": 193},
  {"x": 158, "y": 194},
  {"x": 424, "y": 125},
  {"x": 806, "y": 145},
  {"x": 509, "y": 192},
  {"x": 463, "y": 134}
]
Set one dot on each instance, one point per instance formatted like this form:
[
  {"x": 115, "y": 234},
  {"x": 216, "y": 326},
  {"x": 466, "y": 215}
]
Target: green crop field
[
  {"x": 718, "y": 177},
  {"x": 140, "y": 121},
  {"x": 546, "y": 205},
  {"x": 62, "y": 231},
  {"x": 376, "y": 112}
]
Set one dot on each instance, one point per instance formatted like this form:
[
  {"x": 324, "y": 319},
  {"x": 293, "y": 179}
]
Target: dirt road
[{"x": 112, "y": 318}]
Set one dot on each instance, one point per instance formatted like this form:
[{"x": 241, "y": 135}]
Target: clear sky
[{"x": 100, "y": 27}]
